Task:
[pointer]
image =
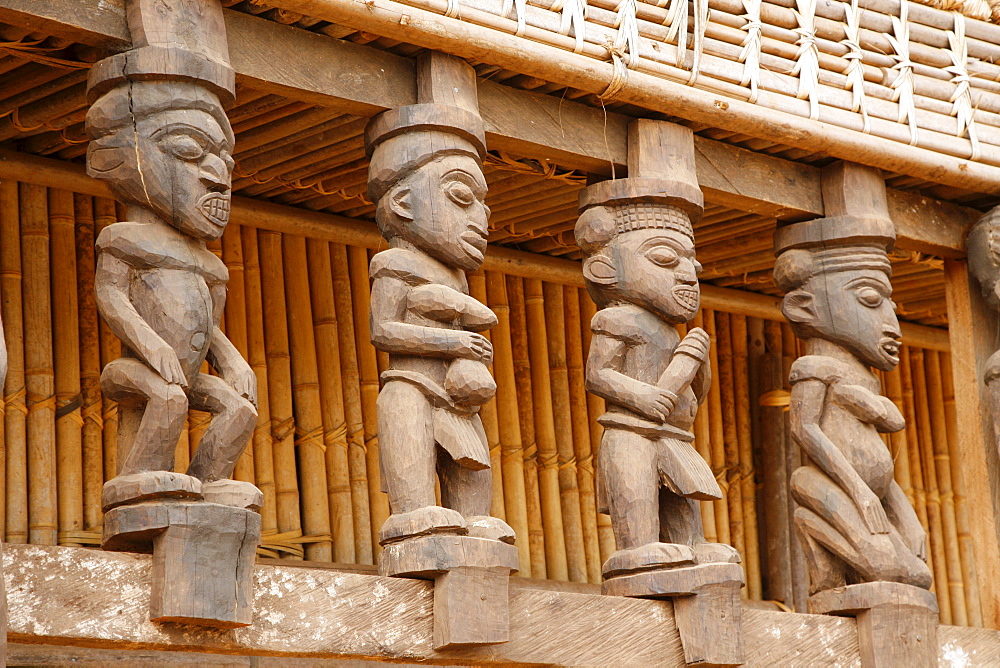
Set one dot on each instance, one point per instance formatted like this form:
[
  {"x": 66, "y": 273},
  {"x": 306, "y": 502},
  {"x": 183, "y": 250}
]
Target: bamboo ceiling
[{"x": 292, "y": 153}]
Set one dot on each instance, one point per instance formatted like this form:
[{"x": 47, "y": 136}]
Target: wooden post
[{"x": 972, "y": 328}]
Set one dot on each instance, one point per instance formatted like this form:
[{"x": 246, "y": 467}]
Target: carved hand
[
  {"x": 918, "y": 543},
  {"x": 872, "y": 512},
  {"x": 654, "y": 403},
  {"x": 696, "y": 344},
  {"x": 244, "y": 381},
  {"x": 164, "y": 361},
  {"x": 475, "y": 347}
]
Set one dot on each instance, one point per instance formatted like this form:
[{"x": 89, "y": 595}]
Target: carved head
[
  {"x": 983, "y": 244},
  {"x": 642, "y": 253},
  {"x": 430, "y": 190},
  {"x": 167, "y": 148},
  {"x": 842, "y": 294}
]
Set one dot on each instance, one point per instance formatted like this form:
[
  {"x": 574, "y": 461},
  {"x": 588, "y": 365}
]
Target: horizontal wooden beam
[
  {"x": 51, "y": 173},
  {"x": 76, "y": 596},
  {"x": 363, "y": 80}
]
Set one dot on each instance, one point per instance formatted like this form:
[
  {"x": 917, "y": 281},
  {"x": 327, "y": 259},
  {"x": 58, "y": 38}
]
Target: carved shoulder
[
  {"x": 135, "y": 244},
  {"x": 628, "y": 323},
  {"x": 404, "y": 265},
  {"x": 817, "y": 367}
]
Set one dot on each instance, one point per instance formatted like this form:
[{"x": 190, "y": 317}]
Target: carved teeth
[
  {"x": 686, "y": 296},
  {"x": 216, "y": 208}
]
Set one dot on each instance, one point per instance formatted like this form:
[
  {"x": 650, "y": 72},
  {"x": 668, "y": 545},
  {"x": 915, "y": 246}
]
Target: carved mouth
[
  {"x": 215, "y": 207},
  {"x": 476, "y": 238},
  {"x": 686, "y": 296},
  {"x": 890, "y": 346}
]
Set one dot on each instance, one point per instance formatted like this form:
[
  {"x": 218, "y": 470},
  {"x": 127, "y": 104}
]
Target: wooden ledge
[{"x": 87, "y": 598}]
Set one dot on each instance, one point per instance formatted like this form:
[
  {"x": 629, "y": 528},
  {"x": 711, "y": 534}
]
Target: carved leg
[
  {"x": 233, "y": 422},
  {"x": 468, "y": 491},
  {"x": 825, "y": 570},
  {"x": 628, "y": 464},
  {"x": 130, "y": 382},
  {"x": 680, "y": 519}
]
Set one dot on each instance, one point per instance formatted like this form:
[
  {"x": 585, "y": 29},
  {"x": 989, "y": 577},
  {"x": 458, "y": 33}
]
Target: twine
[
  {"x": 316, "y": 186},
  {"x": 620, "y": 75},
  {"x": 903, "y": 85},
  {"x": 454, "y": 11},
  {"x": 311, "y": 437},
  {"x": 80, "y": 537},
  {"x": 776, "y": 399},
  {"x": 961, "y": 99},
  {"x": 807, "y": 57},
  {"x": 31, "y": 51},
  {"x": 69, "y": 408},
  {"x": 357, "y": 439},
  {"x": 520, "y": 8},
  {"x": 92, "y": 412},
  {"x": 337, "y": 437},
  {"x": 855, "y": 64},
  {"x": 574, "y": 16},
  {"x": 701, "y": 15},
  {"x": 37, "y": 402},
  {"x": 750, "y": 53},
  {"x": 281, "y": 430},
  {"x": 502, "y": 161},
  {"x": 548, "y": 461},
  {"x": 676, "y": 21},
  {"x": 289, "y": 542},
  {"x": 16, "y": 401}
]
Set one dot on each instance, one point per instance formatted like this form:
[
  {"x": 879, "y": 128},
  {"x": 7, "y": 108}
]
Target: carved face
[
  {"x": 176, "y": 162},
  {"x": 854, "y": 309},
  {"x": 652, "y": 268},
  {"x": 440, "y": 209}
]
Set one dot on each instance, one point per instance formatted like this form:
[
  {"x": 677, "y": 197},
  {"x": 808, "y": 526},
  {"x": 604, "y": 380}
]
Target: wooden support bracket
[
  {"x": 707, "y": 607},
  {"x": 897, "y": 623},
  {"x": 203, "y": 558},
  {"x": 470, "y": 574}
]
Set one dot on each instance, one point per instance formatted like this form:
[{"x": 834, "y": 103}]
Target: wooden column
[{"x": 972, "y": 331}]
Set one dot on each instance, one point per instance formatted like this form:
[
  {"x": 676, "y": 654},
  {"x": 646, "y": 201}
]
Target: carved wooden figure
[
  {"x": 162, "y": 141},
  {"x": 983, "y": 244},
  {"x": 427, "y": 180},
  {"x": 865, "y": 548},
  {"x": 640, "y": 268}
]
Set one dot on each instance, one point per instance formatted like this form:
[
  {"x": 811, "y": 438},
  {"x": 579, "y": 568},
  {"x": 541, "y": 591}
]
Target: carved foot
[
  {"x": 235, "y": 493},
  {"x": 422, "y": 522},
  {"x": 149, "y": 485},
  {"x": 484, "y": 526},
  {"x": 707, "y": 607},
  {"x": 470, "y": 584},
  {"x": 203, "y": 558},
  {"x": 716, "y": 553},
  {"x": 897, "y": 623},
  {"x": 648, "y": 557}
]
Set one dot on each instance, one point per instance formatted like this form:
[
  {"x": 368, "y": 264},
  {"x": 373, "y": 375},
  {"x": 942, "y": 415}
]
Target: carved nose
[
  {"x": 214, "y": 172},
  {"x": 686, "y": 272}
]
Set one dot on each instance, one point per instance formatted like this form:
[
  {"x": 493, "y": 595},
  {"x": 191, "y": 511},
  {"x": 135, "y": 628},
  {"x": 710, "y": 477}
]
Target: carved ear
[
  {"x": 798, "y": 306},
  {"x": 599, "y": 269},
  {"x": 399, "y": 203},
  {"x": 102, "y": 161}
]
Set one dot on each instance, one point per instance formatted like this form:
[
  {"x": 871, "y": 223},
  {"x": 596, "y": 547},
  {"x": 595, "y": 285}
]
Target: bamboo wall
[{"x": 298, "y": 311}]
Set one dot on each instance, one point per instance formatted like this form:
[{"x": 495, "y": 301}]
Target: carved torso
[
  {"x": 170, "y": 285},
  {"x": 853, "y": 415}
]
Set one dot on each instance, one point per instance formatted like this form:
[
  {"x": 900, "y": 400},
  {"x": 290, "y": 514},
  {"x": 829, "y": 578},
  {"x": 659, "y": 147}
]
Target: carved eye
[
  {"x": 183, "y": 146},
  {"x": 869, "y": 297},
  {"x": 662, "y": 256},
  {"x": 460, "y": 193}
]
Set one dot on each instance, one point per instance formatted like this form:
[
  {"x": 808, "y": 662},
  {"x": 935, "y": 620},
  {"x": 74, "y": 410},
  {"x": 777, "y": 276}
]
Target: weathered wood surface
[
  {"x": 568, "y": 133},
  {"x": 331, "y": 227},
  {"x": 73, "y": 596}
]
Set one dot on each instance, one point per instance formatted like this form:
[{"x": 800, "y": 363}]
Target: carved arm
[
  {"x": 441, "y": 303},
  {"x": 807, "y": 404},
  {"x": 607, "y": 354},
  {"x": 390, "y": 333},
  {"x": 901, "y": 513}
]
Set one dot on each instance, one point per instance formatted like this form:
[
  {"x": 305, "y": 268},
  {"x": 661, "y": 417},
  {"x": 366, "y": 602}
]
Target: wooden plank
[
  {"x": 363, "y": 80},
  {"x": 331, "y": 227},
  {"x": 973, "y": 339},
  {"x": 87, "y": 598}
]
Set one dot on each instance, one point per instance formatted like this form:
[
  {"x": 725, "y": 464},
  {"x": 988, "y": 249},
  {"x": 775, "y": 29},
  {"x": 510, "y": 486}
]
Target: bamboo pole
[
  {"x": 726, "y": 383},
  {"x": 744, "y": 433},
  {"x": 15, "y": 410},
  {"x": 279, "y": 374},
  {"x": 569, "y": 491},
  {"x": 774, "y": 468},
  {"x": 508, "y": 426},
  {"x": 488, "y": 414},
  {"x": 526, "y": 415},
  {"x": 581, "y": 431},
  {"x": 703, "y": 444},
  {"x": 331, "y": 393},
  {"x": 315, "y": 506},
  {"x": 105, "y": 214},
  {"x": 39, "y": 378},
  {"x": 893, "y": 384},
  {"x": 942, "y": 467},
  {"x": 90, "y": 365},
  {"x": 378, "y": 501},
  {"x": 364, "y": 536},
  {"x": 556, "y": 558},
  {"x": 262, "y": 443},
  {"x": 66, "y": 348},
  {"x": 965, "y": 544},
  {"x": 595, "y": 408},
  {"x": 236, "y": 323},
  {"x": 713, "y": 407}
]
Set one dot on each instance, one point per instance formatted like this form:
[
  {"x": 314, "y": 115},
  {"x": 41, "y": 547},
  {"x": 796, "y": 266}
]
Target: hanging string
[
  {"x": 855, "y": 64},
  {"x": 627, "y": 39},
  {"x": 750, "y": 54},
  {"x": 903, "y": 85},
  {"x": 573, "y": 17},
  {"x": 961, "y": 99},
  {"x": 677, "y": 26},
  {"x": 701, "y": 13},
  {"x": 807, "y": 58}
]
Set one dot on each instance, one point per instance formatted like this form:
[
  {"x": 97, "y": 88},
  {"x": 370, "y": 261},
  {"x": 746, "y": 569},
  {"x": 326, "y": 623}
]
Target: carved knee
[{"x": 171, "y": 397}]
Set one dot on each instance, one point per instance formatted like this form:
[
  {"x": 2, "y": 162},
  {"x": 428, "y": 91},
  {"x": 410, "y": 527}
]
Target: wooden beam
[
  {"x": 973, "y": 335},
  {"x": 332, "y": 227},
  {"x": 80, "y": 597},
  {"x": 363, "y": 80}
]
